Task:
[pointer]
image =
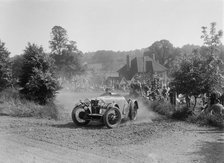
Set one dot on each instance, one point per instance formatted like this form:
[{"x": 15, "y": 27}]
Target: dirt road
[
  {"x": 150, "y": 139},
  {"x": 36, "y": 140}
]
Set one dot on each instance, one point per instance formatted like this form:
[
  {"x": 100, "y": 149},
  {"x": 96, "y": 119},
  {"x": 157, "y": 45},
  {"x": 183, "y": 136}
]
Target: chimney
[
  {"x": 128, "y": 65},
  {"x": 153, "y": 57}
]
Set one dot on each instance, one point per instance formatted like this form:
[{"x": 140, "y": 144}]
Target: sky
[{"x": 118, "y": 25}]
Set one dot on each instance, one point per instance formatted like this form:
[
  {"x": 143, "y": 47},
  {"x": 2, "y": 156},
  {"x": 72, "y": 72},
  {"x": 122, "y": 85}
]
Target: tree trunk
[
  {"x": 188, "y": 101},
  {"x": 195, "y": 102}
]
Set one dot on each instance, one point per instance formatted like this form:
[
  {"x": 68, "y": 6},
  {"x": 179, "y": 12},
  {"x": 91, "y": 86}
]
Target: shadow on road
[{"x": 212, "y": 150}]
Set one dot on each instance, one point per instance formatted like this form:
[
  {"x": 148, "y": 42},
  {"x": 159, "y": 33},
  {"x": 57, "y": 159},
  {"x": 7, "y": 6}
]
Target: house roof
[
  {"x": 156, "y": 66},
  {"x": 141, "y": 65}
]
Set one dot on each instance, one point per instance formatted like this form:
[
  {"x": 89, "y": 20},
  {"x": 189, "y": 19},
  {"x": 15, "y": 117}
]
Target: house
[{"x": 143, "y": 65}]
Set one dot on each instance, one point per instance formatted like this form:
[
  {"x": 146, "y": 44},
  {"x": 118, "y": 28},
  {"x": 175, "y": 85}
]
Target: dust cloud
[{"x": 145, "y": 113}]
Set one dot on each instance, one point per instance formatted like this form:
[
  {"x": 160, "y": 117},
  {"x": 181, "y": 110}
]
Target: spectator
[
  {"x": 222, "y": 97},
  {"x": 214, "y": 97},
  {"x": 145, "y": 88},
  {"x": 164, "y": 92},
  {"x": 172, "y": 95}
]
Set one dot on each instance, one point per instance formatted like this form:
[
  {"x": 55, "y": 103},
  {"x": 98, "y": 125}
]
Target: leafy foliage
[
  {"x": 37, "y": 81},
  {"x": 59, "y": 39},
  {"x": 5, "y": 71},
  {"x": 211, "y": 38},
  {"x": 162, "y": 107},
  {"x": 65, "y": 53},
  {"x": 164, "y": 52},
  {"x": 16, "y": 63},
  {"x": 200, "y": 72}
]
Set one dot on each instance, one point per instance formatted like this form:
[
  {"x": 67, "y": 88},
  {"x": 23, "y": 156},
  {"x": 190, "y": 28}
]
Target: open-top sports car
[{"x": 109, "y": 108}]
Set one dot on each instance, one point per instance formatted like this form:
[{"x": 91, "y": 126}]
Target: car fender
[
  {"x": 115, "y": 105},
  {"x": 130, "y": 101}
]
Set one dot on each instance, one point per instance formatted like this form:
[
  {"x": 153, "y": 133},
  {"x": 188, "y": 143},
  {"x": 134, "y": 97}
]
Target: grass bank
[
  {"x": 186, "y": 114},
  {"x": 12, "y": 104}
]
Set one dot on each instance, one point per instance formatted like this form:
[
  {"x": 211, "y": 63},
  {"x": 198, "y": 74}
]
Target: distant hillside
[{"x": 111, "y": 60}]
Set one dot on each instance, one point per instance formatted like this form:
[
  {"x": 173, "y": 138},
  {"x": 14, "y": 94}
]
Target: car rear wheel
[
  {"x": 133, "y": 110},
  {"x": 78, "y": 116},
  {"x": 112, "y": 117}
]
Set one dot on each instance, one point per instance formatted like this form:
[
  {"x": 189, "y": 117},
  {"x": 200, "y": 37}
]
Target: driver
[{"x": 107, "y": 92}]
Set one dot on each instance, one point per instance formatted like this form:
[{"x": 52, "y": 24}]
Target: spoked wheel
[
  {"x": 112, "y": 117},
  {"x": 133, "y": 110},
  {"x": 78, "y": 116}
]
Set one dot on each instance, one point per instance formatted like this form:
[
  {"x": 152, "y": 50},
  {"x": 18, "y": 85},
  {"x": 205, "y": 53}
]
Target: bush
[
  {"x": 37, "y": 81},
  {"x": 207, "y": 120},
  {"x": 182, "y": 113},
  {"x": 5, "y": 72},
  {"x": 162, "y": 107},
  {"x": 15, "y": 105}
]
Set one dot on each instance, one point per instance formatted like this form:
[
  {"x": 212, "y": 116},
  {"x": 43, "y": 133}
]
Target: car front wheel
[
  {"x": 112, "y": 117},
  {"x": 78, "y": 116}
]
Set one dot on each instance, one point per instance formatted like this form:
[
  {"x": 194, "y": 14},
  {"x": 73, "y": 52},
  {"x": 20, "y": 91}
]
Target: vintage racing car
[{"x": 109, "y": 109}]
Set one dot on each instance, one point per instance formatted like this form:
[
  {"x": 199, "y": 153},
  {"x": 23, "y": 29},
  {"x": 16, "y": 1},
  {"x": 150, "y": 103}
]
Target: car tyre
[
  {"x": 133, "y": 109},
  {"x": 78, "y": 115},
  {"x": 112, "y": 117}
]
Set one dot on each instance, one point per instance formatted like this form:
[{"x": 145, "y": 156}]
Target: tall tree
[
  {"x": 59, "y": 39},
  {"x": 212, "y": 48},
  {"x": 65, "y": 53},
  {"x": 212, "y": 39},
  {"x": 37, "y": 81},
  {"x": 5, "y": 71},
  {"x": 164, "y": 52}
]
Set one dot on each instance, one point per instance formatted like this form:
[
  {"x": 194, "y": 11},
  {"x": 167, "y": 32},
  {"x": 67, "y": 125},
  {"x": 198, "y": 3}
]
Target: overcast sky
[{"x": 107, "y": 24}]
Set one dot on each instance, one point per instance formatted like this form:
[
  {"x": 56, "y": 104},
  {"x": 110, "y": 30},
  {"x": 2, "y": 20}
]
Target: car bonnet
[{"x": 121, "y": 101}]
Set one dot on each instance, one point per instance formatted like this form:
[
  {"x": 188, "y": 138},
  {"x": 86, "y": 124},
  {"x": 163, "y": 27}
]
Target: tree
[
  {"x": 5, "y": 72},
  {"x": 59, "y": 39},
  {"x": 16, "y": 63},
  {"x": 37, "y": 81},
  {"x": 212, "y": 49},
  {"x": 195, "y": 75},
  {"x": 212, "y": 39},
  {"x": 199, "y": 72},
  {"x": 164, "y": 52},
  {"x": 65, "y": 53}
]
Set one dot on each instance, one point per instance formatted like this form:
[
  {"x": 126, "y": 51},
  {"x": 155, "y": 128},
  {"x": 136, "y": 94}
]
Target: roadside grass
[
  {"x": 162, "y": 107},
  {"x": 186, "y": 114},
  {"x": 207, "y": 120},
  {"x": 13, "y": 104}
]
